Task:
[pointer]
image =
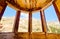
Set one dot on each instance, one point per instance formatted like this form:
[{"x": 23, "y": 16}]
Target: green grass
[{"x": 53, "y": 29}]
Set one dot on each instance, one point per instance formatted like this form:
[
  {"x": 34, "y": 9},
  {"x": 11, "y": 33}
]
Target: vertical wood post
[
  {"x": 16, "y": 24},
  {"x": 43, "y": 21},
  {"x": 3, "y": 7},
  {"x": 57, "y": 11},
  {"x": 30, "y": 24}
]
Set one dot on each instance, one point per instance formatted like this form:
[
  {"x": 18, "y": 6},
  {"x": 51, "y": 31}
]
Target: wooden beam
[
  {"x": 30, "y": 24},
  {"x": 57, "y": 10},
  {"x": 43, "y": 21},
  {"x": 31, "y": 4},
  {"x": 3, "y": 7},
  {"x": 16, "y": 24}
]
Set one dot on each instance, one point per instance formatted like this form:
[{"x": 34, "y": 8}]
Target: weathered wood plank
[
  {"x": 25, "y": 35},
  {"x": 16, "y": 23},
  {"x": 43, "y": 21},
  {"x": 38, "y": 35},
  {"x": 56, "y": 5},
  {"x": 30, "y": 24},
  {"x": 5, "y": 35},
  {"x": 2, "y": 8}
]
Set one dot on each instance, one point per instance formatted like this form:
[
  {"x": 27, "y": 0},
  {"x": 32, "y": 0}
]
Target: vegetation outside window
[
  {"x": 7, "y": 21},
  {"x": 23, "y": 23},
  {"x": 52, "y": 20},
  {"x": 36, "y": 22}
]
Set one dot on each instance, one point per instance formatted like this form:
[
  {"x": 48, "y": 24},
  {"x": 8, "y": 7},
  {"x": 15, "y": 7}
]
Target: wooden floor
[{"x": 26, "y": 36}]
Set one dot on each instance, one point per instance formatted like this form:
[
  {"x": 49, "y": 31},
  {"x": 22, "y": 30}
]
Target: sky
[{"x": 50, "y": 13}]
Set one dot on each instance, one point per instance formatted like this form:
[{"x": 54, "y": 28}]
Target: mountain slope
[{"x": 8, "y": 23}]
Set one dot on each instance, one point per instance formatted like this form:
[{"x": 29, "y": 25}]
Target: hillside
[{"x": 8, "y": 23}]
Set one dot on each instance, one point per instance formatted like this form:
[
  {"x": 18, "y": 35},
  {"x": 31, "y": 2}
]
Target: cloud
[{"x": 24, "y": 15}]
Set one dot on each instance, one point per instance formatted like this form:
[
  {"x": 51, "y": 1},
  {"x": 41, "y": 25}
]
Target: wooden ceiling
[{"x": 29, "y": 5}]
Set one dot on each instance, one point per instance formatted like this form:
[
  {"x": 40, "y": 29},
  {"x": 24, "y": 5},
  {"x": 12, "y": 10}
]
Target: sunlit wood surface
[
  {"x": 58, "y": 4},
  {"x": 28, "y": 5},
  {"x": 24, "y": 35}
]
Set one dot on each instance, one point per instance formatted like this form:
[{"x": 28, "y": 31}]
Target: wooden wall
[
  {"x": 57, "y": 8},
  {"x": 2, "y": 8}
]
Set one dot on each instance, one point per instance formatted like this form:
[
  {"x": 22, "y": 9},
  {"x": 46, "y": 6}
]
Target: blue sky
[{"x": 50, "y": 13}]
